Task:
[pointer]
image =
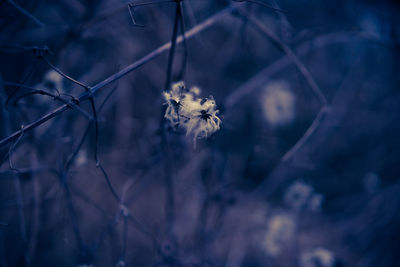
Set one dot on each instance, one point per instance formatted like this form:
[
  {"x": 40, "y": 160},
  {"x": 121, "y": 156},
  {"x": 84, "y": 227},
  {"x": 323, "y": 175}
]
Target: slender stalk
[
  {"x": 85, "y": 96},
  {"x": 26, "y": 13},
  {"x": 172, "y": 50},
  {"x": 289, "y": 52}
]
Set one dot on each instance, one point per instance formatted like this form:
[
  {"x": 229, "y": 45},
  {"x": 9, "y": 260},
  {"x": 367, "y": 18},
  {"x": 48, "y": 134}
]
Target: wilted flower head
[
  {"x": 197, "y": 116},
  {"x": 202, "y": 114},
  {"x": 319, "y": 257},
  {"x": 173, "y": 98},
  {"x": 278, "y": 103}
]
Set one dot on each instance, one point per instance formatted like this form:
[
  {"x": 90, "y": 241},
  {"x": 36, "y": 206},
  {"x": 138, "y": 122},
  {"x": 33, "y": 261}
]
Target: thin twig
[
  {"x": 33, "y": 67},
  {"x": 124, "y": 238},
  {"x": 151, "y": 3},
  {"x": 259, "y": 79},
  {"x": 21, "y": 214},
  {"x": 12, "y": 148},
  {"x": 76, "y": 191},
  {"x": 72, "y": 211},
  {"x": 64, "y": 179},
  {"x": 33, "y": 242},
  {"x": 185, "y": 46},
  {"x": 169, "y": 186},
  {"x": 92, "y": 103},
  {"x": 73, "y": 155},
  {"x": 17, "y": 47},
  {"x": 63, "y": 74},
  {"x": 306, "y": 136},
  {"x": 141, "y": 228},
  {"x": 303, "y": 70},
  {"x": 26, "y": 171},
  {"x": 19, "y": 197},
  {"x": 132, "y": 6},
  {"x": 262, "y": 4},
  {"x": 26, "y": 13},
  {"x": 35, "y": 91},
  {"x": 85, "y": 96},
  {"x": 280, "y": 64},
  {"x": 112, "y": 190},
  {"x": 172, "y": 50},
  {"x": 98, "y": 164}
]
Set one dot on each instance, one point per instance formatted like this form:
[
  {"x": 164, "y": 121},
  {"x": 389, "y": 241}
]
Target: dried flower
[
  {"x": 173, "y": 98},
  {"x": 203, "y": 118},
  {"x": 198, "y": 117}
]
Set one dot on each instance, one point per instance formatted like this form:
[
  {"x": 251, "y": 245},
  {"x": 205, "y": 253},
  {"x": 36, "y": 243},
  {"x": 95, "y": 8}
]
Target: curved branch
[{"x": 85, "y": 96}]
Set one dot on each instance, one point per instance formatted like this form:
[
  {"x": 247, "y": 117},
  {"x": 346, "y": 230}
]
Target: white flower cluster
[
  {"x": 185, "y": 109},
  {"x": 301, "y": 196}
]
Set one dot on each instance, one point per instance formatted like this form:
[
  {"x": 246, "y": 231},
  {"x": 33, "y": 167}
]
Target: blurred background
[{"x": 303, "y": 172}]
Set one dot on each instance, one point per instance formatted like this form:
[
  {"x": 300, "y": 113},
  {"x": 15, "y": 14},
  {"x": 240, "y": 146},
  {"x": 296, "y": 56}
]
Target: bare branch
[
  {"x": 301, "y": 67},
  {"x": 26, "y": 13},
  {"x": 85, "y": 96}
]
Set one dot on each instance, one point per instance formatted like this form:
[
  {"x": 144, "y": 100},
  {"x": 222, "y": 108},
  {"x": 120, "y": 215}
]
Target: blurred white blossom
[
  {"x": 81, "y": 158},
  {"x": 280, "y": 231},
  {"x": 197, "y": 116},
  {"x": 301, "y": 196},
  {"x": 52, "y": 81},
  {"x": 278, "y": 103},
  {"x": 297, "y": 195},
  {"x": 318, "y": 257}
]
